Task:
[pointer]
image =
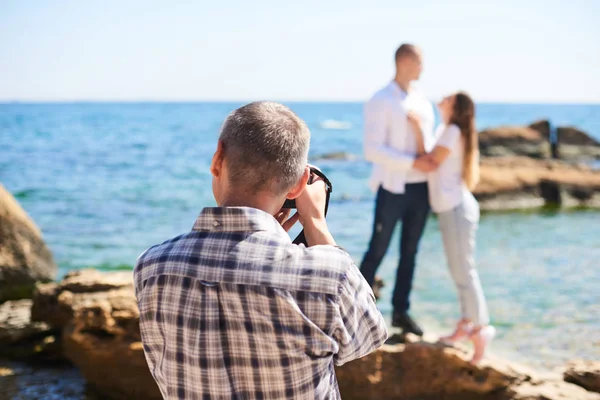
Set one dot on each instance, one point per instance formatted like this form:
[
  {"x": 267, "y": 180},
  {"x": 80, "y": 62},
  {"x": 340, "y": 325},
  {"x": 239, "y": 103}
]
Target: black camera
[{"x": 314, "y": 172}]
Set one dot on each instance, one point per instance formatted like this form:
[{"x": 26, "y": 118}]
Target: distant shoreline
[{"x": 237, "y": 102}]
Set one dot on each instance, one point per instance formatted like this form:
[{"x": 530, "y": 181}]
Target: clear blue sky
[{"x": 507, "y": 51}]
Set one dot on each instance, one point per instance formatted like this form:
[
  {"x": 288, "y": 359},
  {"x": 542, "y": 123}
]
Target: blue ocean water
[{"x": 105, "y": 181}]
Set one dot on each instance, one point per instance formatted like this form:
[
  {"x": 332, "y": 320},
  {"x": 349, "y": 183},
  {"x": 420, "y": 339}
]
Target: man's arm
[
  {"x": 376, "y": 150},
  {"x": 360, "y": 327}
]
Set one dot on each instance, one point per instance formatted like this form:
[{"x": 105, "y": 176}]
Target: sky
[{"x": 143, "y": 50}]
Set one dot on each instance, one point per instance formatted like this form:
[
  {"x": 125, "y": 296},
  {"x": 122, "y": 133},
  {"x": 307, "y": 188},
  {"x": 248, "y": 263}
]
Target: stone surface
[
  {"x": 15, "y": 322},
  {"x": 585, "y": 374},
  {"x": 337, "y": 155},
  {"x": 98, "y": 315},
  {"x": 513, "y": 140},
  {"x": 20, "y": 338},
  {"x": 24, "y": 257},
  {"x": 521, "y": 182},
  {"x": 548, "y": 390},
  {"x": 91, "y": 280},
  {"x": 534, "y": 141},
  {"x": 114, "y": 365},
  {"x": 424, "y": 370},
  {"x": 100, "y": 335}
]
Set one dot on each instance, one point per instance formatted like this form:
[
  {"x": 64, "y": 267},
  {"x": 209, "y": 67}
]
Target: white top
[
  {"x": 446, "y": 183},
  {"x": 389, "y": 142}
]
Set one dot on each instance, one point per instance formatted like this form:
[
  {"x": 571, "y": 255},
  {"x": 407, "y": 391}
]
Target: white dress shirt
[{"x": 389, "y": 142}]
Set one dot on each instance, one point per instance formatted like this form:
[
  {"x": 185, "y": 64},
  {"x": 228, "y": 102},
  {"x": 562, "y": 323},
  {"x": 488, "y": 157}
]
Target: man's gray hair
[{"x": 266, "y": 147}]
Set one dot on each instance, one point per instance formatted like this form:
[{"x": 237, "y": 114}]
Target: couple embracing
[{"x": 415, "y": 171}]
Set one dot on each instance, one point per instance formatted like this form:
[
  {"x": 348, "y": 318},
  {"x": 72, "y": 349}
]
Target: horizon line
[{"x": 237, "y": 101}]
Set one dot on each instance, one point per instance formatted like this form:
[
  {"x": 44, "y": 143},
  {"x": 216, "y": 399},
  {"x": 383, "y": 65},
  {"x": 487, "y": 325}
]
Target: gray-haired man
[{"x": 233, "y": 309}]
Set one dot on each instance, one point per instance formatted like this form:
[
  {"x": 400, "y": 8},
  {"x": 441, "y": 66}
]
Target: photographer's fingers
[
  {"x": 282, "y": 215},
  {"x": 287, "y": 225}
]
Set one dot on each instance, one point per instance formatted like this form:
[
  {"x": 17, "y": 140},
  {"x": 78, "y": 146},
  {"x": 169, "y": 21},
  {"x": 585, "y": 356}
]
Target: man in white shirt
[{"x": 399, "y": 176}]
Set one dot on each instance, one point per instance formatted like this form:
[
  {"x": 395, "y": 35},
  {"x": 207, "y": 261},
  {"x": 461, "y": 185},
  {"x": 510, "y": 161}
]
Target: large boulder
[
  {"x": 99, "y": 318},
  {"x": 585, "y": 374},
  {"x": 520, "y": 182},
  {"x": 24, "y": 257},
  {"x": 423, "y": 370},
  {"x": 567, "y": 135},
  {"x": 534, "y": 141},
  {"x": 513, "y": 140}
]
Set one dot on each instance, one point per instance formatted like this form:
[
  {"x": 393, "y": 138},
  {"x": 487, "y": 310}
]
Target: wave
[{"x": 334, "y": 124}]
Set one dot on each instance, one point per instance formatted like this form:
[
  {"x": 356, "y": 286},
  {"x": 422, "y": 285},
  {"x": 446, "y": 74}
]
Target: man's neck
[
  {"x": 403, "y": 83},
  {"x": 261, "y": 202}
]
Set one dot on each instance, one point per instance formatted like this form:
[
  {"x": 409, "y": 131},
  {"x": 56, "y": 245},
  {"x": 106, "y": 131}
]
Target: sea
[{"x": 104, "y": 181}]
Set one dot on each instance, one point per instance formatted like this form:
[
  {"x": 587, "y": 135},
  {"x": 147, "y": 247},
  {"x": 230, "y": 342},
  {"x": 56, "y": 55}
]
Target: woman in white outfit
[{"x": 456, "y": 157}]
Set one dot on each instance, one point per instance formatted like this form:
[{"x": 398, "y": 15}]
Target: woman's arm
[
  {"x": 441, "y": 151},
  {"x": 438, "y": 155}
]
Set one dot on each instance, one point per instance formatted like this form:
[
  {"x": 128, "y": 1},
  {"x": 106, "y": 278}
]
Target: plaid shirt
[{"x": 234, "y": 310}]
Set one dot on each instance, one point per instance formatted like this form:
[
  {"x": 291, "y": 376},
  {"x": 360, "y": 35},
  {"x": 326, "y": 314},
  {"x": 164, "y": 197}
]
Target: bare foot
[
  {"x": 463, "y": 329},
  {"x": 481, "y": 338}
]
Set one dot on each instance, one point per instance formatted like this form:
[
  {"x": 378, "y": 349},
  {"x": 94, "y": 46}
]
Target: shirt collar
[
  {"x": 396, "y": 89},
  {"x": 236, "y": 219}
]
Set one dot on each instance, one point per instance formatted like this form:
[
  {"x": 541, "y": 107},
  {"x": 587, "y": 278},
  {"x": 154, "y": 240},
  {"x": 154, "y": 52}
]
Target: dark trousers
[{"x": 412, "y": 209}]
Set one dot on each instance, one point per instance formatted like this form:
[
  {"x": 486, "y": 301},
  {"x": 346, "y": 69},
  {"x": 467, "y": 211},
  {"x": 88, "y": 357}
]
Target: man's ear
[
  {"x": 300, "y": 186},
  {"x": 216, "y": 166}
]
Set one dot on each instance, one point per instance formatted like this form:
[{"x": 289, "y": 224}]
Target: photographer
[{"x": 233, "y": 309}]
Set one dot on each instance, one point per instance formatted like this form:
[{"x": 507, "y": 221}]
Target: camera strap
[{"x": 301, "y": 239}]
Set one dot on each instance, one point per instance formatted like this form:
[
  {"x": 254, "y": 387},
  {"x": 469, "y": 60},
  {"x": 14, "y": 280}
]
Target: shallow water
[
  {"x": 105, "y": 181},
  {"x": 25, "y": 382}
]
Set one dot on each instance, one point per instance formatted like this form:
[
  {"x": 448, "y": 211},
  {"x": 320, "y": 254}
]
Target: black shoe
[{"x": 404, "y": 321}]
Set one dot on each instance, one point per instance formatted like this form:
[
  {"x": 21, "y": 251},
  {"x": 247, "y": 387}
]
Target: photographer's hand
[
  {"x": 282, "y": 218},
  {"x": 311, "y": 210}
]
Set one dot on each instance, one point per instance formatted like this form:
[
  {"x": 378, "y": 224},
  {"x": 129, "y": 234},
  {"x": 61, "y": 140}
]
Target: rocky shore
[
  {"x": 85, "y": 327},
  {"x": 518, "y": 171},
  {"x": 94, "y": 317}
]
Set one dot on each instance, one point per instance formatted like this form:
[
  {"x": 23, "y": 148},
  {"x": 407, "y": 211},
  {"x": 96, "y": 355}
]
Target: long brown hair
[{"x": 463, "y": 116}]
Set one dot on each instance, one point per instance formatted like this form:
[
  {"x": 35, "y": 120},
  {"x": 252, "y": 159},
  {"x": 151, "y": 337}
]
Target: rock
[
  {"x": 513, "y": 140},
  {"x": 90, "y": 280},
  {"x": 24, "y": 257},
  {"x": 568, "y": 135},
  {"x": 337, "y": 155},
  {"x": 100, "y": 335},
  {"x": 20, "y": 338},
  {"x": 114, "y": 366},
  {"x": 15, "y": 322},
  {"x": 509, "y": 183},
  {"x": 422, "y": 370},
  {"x": 542, "y": 127},
  {"x": 99, "y": 318},
  {"x": 534, "y": 141},
  {"x": 548, "y": 390},
  {"x": 56, "y": 302},
  {"x": 585, "y": 374}
]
